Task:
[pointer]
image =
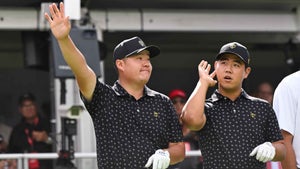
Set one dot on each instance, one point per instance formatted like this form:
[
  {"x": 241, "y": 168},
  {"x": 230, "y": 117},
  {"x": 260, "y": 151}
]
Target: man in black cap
[
  {"x": 235, "y": 130},
  {"x": 31, "y": 134},
  {"x": 135, "y": 126}
]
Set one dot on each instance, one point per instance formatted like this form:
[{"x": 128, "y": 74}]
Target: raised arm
[
  {"x": 193, "y": 112},
  {"x": 60, "y": 27}
]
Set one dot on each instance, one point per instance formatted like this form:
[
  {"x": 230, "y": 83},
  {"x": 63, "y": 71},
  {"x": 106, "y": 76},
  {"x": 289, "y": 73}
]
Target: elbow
[{"x": 192, "y": 121}]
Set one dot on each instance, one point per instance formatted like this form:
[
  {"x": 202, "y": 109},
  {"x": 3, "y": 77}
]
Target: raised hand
[
  {"x": 41, "y": 136},
  {"x": 203, "y": 70},
  {"x": 59, "y": 23}
]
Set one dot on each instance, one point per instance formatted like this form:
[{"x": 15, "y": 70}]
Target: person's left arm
[
  {"x": 275, "y": 151},
  {"x": 174, "y": 151},
  {"x": 41, "y": 136},
  {"x": 268, "y": 151},
  {"x": 280, "y": 150},
  {"x": 177, "y": 152},
  {"x": 162, "y": 158}
]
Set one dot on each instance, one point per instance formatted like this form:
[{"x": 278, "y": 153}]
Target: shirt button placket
[
  {"x": 137, "y": 106},
  {"x": 233, "y": 108}
]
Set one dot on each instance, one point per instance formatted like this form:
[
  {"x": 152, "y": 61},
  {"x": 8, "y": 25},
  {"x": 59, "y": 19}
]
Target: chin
[{"x": 143, "y": 81}]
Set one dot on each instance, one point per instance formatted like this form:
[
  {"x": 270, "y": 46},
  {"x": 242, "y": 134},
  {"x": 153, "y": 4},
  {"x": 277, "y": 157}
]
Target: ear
[
  {"x": 247, "y": 72},
  {"x": 215, "y": 64},
  {"x": 119, "y": 65}
]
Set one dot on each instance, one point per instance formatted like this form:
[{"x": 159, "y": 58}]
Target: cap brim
[
  {"x": 154, "y": 51},
  {"x": 221, "y": 54}
]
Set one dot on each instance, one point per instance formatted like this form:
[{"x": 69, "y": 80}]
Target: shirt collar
[
  {"x": 216, "y": 96},
  {"x": 120, "y": 91}
]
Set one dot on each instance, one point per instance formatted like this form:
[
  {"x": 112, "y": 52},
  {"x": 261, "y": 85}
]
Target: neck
[
  {"x": 134, "y": 89},
  {"x": 231, "y": 94},
  {"x": 31, "y": 120}
]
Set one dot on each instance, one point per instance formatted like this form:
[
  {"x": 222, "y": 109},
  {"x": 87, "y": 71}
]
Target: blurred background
[{"x": 186, "y": 31}]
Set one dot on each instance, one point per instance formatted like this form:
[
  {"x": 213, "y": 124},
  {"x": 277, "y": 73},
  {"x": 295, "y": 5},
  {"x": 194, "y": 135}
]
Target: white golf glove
[
  {"x": 159, "y": 160},
  {"x": 264, "y": 152}
]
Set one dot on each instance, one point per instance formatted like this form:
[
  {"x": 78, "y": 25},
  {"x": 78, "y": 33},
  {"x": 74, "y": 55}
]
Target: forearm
[
  {"x": 177, "y": 152},
  {"x": 289, "y": 162},
  {"x": 72, "y": 55},
  {"x": 290, "y": 159},
  {"x": 193, "y": 112},
  {"x": 280, "y": 150},
  {"x": 85, "y": 76}
]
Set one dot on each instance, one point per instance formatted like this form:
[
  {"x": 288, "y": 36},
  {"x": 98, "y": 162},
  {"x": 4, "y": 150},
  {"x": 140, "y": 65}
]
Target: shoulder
[
  {"x": 101, "y": 85},
  {"x": 156, "y": 94},
  {"x": 258, "y": 102},
  {"x": 291, "y": 80},
  {"x": 17, "y": 128},
  {"x": 256, "y": 99},
  {"x": 101, "y": 89},
  {"x": 288, "y": 87},
  {"x": 43, "y": 119}
]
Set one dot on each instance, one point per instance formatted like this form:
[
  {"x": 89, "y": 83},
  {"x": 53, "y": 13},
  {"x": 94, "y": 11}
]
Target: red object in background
[{"x": 273, "y": 165}]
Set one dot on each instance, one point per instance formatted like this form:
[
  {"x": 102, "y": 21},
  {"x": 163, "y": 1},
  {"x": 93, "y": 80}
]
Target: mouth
[
  {"x": 227, "y": 78},
  {"x": 145, "y": 70}
]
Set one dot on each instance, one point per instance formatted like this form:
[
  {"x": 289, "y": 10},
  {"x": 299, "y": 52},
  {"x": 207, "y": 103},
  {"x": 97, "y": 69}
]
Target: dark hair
[{"x": 25, "y": 97}]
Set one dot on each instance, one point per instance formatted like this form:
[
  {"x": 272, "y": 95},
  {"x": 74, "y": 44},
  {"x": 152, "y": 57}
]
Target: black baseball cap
[
  {"x": 132, "y": 46},
  {"x": 237, "y": 49},
  {"x": 25, "y": 97}
]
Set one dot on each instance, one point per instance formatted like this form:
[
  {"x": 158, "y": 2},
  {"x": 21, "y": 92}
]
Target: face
[
  {"x": 178, "y": 103},
  {"x": 265, "y": 91},
  {"x": 136, "y": 68},
  {"x": 28, "y": 109},
  {"x": 230, "y": 72}
]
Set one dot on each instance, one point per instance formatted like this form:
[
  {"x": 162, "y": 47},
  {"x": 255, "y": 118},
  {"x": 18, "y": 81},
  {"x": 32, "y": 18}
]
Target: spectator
[
  {"x": 286, "y": 104},
  {"x": 235, "y": 130},
  {"x": 190, "y": 139},
  {"x": 31, "y": 134},
  {"x": 265, "y": 91}
]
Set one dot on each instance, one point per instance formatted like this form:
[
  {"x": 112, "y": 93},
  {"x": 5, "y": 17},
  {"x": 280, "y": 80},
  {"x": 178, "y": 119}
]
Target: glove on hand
[
  {"x": 159, "y": 160},
  {"x": 264, "y": 152}
]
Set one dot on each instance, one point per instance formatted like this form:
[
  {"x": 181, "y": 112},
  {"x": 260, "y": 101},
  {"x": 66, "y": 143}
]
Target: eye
[
  {"x": 223, "y": 62},
  {"x": 139, "y": 58},
  {"x": 237, "y": 65}
]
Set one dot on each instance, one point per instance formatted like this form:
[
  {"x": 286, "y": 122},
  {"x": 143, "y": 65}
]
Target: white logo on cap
[
  {"x": 141, "y": 43},
  {"x": 232, "y": 46}
]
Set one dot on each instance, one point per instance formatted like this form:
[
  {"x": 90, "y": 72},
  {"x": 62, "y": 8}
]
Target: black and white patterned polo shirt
[
  {"x": 129, "y": 131},
  {"x": 233, "y": 129}
]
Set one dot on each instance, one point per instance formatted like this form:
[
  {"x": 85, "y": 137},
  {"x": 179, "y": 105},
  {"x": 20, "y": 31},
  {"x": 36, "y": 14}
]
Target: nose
[
  {"x": 146, "y": 63},
  {"x": 228, "y": 68}
]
